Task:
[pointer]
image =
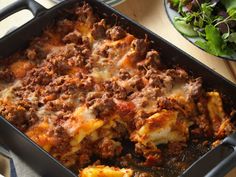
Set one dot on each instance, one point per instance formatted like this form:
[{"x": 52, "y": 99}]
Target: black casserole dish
[{"x": 118, "y": 82}]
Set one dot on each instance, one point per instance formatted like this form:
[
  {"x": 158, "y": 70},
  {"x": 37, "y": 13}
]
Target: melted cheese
[
  {"x": 40, "y": 133},
  {"x": 7, "y": 94},
  {"x": 162, "y": 128},
  {"x": 101, "y": 75},
  {"x": 220, "y": 124},
  {"x": 82, "y": 123},
  {"x": 215, "y": 106},
  {"x": 105, "y": 171}
]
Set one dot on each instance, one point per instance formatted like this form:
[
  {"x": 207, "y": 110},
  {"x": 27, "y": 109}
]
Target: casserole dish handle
[
  {"x": 229, "y": 162},
  {"x": 32, "y": 5},
  {"x": 217, "y": 162}
]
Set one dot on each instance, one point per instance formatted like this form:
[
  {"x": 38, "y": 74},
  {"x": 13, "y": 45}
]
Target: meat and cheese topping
[{"x": 83, "y": 88}]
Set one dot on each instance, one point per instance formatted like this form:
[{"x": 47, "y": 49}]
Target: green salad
[{"x": 214, "y": 21}]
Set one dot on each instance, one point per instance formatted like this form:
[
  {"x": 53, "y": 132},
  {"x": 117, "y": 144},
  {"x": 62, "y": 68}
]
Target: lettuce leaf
[
  {"x": 214, "y": 43},
  {"x": 230, "y": 6}
]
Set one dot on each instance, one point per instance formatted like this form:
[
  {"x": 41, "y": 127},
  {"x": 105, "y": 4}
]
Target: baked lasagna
[{"x": 99, "y": 99}]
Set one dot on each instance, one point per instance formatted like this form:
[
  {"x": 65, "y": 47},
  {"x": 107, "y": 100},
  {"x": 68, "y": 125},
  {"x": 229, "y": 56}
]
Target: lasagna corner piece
[
  {"x": 85, "y": 89},
  {"x": 105, "y": 171}
]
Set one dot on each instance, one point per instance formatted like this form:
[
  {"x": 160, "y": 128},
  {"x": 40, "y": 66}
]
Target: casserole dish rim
[{"x": 143, "y": 30}]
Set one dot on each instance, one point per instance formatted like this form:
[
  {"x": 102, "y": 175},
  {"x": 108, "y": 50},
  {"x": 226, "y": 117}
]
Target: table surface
[{"x": 151, "y": 14}]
